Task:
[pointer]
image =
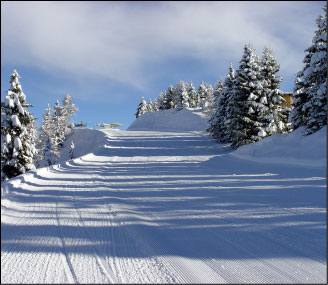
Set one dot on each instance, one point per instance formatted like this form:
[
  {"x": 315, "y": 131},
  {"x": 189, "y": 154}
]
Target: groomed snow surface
[{"x": 163, "y": 206}]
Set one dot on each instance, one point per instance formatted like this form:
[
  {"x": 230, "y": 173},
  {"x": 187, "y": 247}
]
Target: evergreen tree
[
  {"x": 297, "y": 116},
  {"x": 275, "y": 118},
  {"x": 245, "y": 106},
  {"x": 18, "y": 134},
  {"x": 175, "y": 96},
  {"x": 69, "y": 110},
  {"x": 160, "y": 101},
  {"x": 201, "y": 94},
  {"x": 170, "y": 104},
  {"x": 209, "y": 99},
  {"x": 310, "y": 103},
  {"x": 48, "y": 152},
  {"x": 47, "y": 140},
  {"x": 142, "y": 108},
  {"x": 192, "y": 95},
  {"x": 217, "y": 89},
  {"x": 315, "y": 79},
  {"x": 150, "y": 106},
  {"x": 181, "y": 95},
  {"x": 59, "y": 119},
  {"x": 218, "y": 120},
  {"x": 156, "y": 105}
]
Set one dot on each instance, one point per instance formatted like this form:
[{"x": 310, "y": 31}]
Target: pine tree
[
  {"x": 201, "y": 94},
  {"x": 181, "y": 95},
  {"x": 142, "y": 108},
  {"x": 156, "y": 105},
  {"x": 47, "y": 140},
  {"x": 245, "y": 106},
  {"x": 18, "y": 134},
  {"x": 170, "y": 103},
  {"x": 160, "y": 101},
  {"x": 310, "y": 101},
  {"x": 150, "y": 106},
  {"x": 218, "y": 120},
  {"x": 48, "y": 152},
  {"x": 297, "y": 116},
  {"x": 217, "y": 89},
  {"x": 315, "y": 78},
  {"x": 59, "y": 119},
  {"x": 275, "y": 117},
  {"x": 209, "y": 101},
  {"x": 192, "y": 95},
  {"x": 69, "y": 110}
]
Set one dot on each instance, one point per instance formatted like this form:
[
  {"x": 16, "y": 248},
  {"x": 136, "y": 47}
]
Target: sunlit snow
[{"x": 164, "y": 203}]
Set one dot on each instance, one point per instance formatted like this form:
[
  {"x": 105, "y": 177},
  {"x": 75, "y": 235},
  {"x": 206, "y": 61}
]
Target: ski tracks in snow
[{"x": 146, "y": 209}]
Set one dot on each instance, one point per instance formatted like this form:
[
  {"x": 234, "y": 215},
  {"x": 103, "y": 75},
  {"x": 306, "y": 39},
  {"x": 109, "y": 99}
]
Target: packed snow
[
  {"x": 164, "y": 203},
  {"x": 85, "y": 141},
  {"x": 292, "y": 148},
  {"x": 171, "y": 120}
]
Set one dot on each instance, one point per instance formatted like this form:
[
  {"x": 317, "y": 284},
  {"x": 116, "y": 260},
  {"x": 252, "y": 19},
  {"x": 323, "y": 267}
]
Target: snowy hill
[
  {"x": 85, "y": 141},
  {"x": 169, "y": 206},
  {"x": 171, "y": 120},
  {"x": 292, "y": 148}
]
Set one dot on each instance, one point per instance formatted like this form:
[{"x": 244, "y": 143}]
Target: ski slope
[{"x": 164, "y": 207}]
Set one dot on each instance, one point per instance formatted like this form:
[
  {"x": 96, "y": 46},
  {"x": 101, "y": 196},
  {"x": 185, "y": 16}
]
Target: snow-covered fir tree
[
  {"x": 71, "y": 150},
  {"x": 18, "y": 134},
  {"x": 150, "y": 106},
  {"x": 245, "y": 106},
  {"x": 192, "y": 95},
  {"x": 161, "y": 100},
  {"x": 217, "y": 123},
  {"x": 217, "y": 89},
  {"x": 201, "y": 94},
  {"x": 170, "y": 103},
  {"x": 47, "y": 140},
  {"x": 209, "y": 102},
  {"x": 310, "y": 90},
  {"x": 59, "y": 118},
  {"x": 165, "y": 100},
  {"x": 156, "y": 105},
  {"x": 69, "y": 111},
  {"x": 297, "y": 117},
  {"x": 315, "y": 79},
  {"x": 142, "y": 108},
  {"x": 175, "y": 95},
  {"x": 48, "y": 153},
  {"x": 181, "y": 95},
  {"x": 275, "y": 118}
]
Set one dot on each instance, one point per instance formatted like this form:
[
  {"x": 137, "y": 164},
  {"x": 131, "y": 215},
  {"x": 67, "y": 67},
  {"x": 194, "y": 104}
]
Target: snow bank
[
  {"x": 85, "y": 141},
  {"x": 186, "y": 119},
  {"x": 292, "y": 148}
]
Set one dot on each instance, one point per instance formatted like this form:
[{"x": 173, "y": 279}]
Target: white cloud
[{"x": 123, "y": 41}]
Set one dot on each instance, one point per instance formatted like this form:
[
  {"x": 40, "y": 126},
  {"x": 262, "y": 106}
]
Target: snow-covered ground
[
  {"x": 164, "y": 206},
  {"x": 171, "y": 120},
  {"x": 293, "y": 148}
]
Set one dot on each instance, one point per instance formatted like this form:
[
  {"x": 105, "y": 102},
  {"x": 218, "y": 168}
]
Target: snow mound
[
  {"x": 85, "y": 141},
  {"x": 292, "y": 148},
  {"x": 187, "y": 119}
]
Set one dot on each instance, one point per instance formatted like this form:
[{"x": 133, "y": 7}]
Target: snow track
[
  {"x": 64, "y": 256},
  {"x": 164, "y": 207}
]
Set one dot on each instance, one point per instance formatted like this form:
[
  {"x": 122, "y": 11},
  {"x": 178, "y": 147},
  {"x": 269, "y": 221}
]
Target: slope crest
[{"x": 186, "y": 119}]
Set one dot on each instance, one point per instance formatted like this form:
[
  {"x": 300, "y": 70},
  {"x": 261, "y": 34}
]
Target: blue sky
[{"x": 107, "y": 55}]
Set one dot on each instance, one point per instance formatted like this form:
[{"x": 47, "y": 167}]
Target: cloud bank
[{"x": 127, "y": 41}]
